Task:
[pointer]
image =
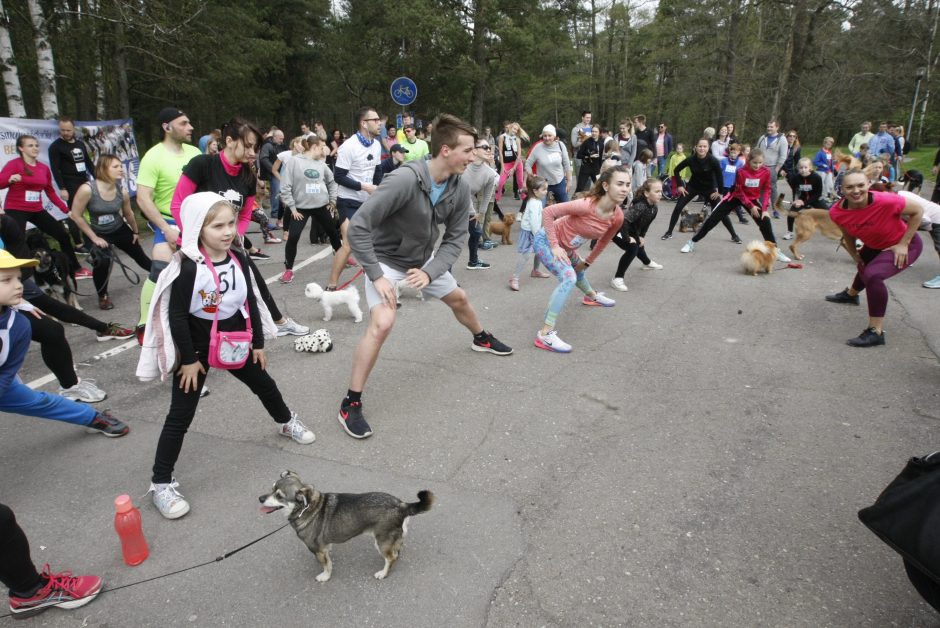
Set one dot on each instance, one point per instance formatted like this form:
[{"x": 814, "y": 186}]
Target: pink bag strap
[{"x": 218, "y": 285}]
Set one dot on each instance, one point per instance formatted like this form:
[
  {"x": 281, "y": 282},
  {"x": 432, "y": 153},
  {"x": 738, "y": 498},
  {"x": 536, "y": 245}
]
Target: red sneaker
[
  {"x": 83, "y": 273},
  {"x": 61, "y": 589}
]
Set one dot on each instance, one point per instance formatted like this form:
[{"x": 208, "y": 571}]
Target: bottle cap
[{"x": 123, "y": 503}]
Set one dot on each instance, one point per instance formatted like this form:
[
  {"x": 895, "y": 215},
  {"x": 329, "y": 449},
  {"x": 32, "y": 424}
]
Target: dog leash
[
  {"x": 354, "y": 278},
  {"x": 217, "y": 559}
]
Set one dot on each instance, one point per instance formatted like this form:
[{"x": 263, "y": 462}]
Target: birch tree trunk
[
  {"x": 47, "y": 89},
  {"x": 11, "y": 76}
]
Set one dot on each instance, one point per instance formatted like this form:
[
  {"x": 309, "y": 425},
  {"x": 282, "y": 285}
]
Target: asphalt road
[{"x": 697, "y": 460}]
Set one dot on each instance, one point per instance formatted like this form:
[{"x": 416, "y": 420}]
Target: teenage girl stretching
[
  {"x": 705, "y": 181},
  {"x": 632, "y": 236},
  {"x": 186, "y": 302},
  {"x": 566, "y": 226}
]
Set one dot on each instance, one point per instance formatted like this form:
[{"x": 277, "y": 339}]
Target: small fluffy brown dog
[
  {"x": 503, "y": 228},
  {"x": 759, "y": 256},
  {"x": 808, "y": 222}
]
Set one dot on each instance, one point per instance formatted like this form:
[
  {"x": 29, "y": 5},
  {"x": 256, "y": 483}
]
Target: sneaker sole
[
  {"x": 478, "y": 267},
  {"x": 107, "y": 338},
  {"x": 547, "y": 347},
  {"x": 80, "y": 400},
  {"x": 842, "y": 302},
  {"x": 476, "y": 347},
  {"x": 174, "y": 515},
  {"x": 596, "y": 304},
  {"x": 92, "y": 430},
  {"x": 299, "y": 442},
  {"x": 35, "y": 610},
  {"x": 342, "y": 422}
]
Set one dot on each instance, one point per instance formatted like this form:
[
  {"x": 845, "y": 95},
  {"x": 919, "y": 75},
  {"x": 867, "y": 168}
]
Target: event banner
[{"x": 114, "y": 137}]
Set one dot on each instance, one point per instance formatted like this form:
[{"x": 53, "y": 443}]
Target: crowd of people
[{"x": 400, "y": 204}]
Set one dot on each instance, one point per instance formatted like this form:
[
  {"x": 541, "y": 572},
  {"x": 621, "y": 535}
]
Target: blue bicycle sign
[{"x": 403, "y": 91}]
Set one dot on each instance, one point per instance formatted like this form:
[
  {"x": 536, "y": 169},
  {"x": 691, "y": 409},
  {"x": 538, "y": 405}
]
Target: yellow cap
[{"x": 8, "y": 261}]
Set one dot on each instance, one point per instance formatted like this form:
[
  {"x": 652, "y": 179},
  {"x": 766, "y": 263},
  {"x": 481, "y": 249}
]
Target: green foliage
[{"x": 821, "y": 65}]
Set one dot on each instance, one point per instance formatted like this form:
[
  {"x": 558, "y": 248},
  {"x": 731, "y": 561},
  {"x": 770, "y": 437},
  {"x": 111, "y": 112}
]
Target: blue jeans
[
  {"x": 560, "y": 190},
  {"x": 21, "y": 399},
  {"x": 275, "y": 198},
  {"x": 661, "y": 165}
]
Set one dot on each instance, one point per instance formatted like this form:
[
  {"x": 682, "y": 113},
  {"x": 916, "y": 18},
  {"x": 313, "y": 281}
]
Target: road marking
[{"x": 110, "y": 353}]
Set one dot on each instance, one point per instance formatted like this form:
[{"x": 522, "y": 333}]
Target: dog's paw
[
  {"x": 327, "y": 318},
  {"x": 358, "y": 319},
  {"x": 380, "y": 575},
  {"x": 323, "y": 577}
]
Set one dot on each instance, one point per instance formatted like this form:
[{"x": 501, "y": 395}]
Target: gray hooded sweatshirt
[
  {"x": 307, "y": 183},
  {"x": 398, "y": 226}
]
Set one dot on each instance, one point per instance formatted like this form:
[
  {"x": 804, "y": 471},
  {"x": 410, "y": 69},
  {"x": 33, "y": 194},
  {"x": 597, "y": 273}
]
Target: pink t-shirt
[
  {"x": 661, "y": 145},
  {"x": 878, "y": 225},
  {"x": 563, "y": 222}
]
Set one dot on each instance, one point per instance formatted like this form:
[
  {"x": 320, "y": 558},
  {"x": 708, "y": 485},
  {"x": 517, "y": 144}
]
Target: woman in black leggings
[
  {"x": 308, "y": 190},
  {"x": 112, "y": 222},
  {"x": 27, "y": 178},
  {"x": 705, "y": 181}
]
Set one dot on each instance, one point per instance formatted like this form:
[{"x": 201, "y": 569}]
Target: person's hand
[
  {"x": 580, "y": 267},
  {"x": 189, "y": 375},
  {"x": 900, "y": 254},
  {"x": 367, "y": 187},
  {"x": 935, "y": 169},
  {"x": 296, "y": 214},
  {"x": 135, "y": 239},
  {"x": 63, "y": 193},
  {"x": 560, "y": 255},
  {"x": 15, "y": 178},
  {"x": 258, "y": 357},
  {"x": 716, "y": 195},
  {"x": 37, "y": 312},
  {"x": 387, "y": 291},
  {"x": 681, "y": 191},
  {"x": 172, "y": 235},
  {"x": 101, "y": 243},
  {"x": 417, "y": 278},
  {"x": 632, "y": 240},
  {"x": 642, "y": 241},
  {"x": 797, "y": 204}
]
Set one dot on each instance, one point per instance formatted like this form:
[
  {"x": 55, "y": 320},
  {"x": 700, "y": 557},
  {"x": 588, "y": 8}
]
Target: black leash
[{"x": 179, "y": 571}]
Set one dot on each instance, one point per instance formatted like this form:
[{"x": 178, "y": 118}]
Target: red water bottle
[{"x": 127, "y": 524}]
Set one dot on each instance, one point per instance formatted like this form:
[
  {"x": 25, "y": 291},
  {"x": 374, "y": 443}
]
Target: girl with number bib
[{"x": 204, "y": 302}]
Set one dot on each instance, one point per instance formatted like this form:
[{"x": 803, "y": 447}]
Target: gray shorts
[{"x": 439, "y": 288}]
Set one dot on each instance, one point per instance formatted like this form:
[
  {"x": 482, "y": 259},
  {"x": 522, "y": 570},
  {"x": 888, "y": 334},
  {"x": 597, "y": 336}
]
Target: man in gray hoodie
[{"x": 393, "y": 235}]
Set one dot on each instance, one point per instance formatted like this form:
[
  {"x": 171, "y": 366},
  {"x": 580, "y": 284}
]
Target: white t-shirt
[
  {"x": 360, "y": 162},
  {"x": 207, "y": 298}
]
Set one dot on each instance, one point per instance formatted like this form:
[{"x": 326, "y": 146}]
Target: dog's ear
[
  {"x": 288, "y": 472},
  {"x": 306, "y": 495}
]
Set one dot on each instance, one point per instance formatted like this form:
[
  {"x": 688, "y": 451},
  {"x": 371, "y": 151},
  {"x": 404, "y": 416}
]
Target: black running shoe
[
  {"x": 350, "y": 417},
  {"x": 106, "y": 424},
  {"x": 842, "y": 297},
  {"x": 490, "y": 344},
  {"x": 666, "y": 236},
  {"x": 868, "y": 338},
  {"x": 736, "y": 240},
  {"x": 259, "y": 255}
]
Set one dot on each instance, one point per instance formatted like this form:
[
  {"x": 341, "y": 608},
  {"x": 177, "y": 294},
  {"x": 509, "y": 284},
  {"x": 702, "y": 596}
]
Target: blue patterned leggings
[{"x": 567, "y": 277}]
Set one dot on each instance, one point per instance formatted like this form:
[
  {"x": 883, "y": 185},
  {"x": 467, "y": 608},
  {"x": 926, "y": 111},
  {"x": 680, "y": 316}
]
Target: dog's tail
[{"x": 424, "y": 503}]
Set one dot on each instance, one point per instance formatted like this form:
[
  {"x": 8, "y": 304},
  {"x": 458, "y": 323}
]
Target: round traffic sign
[{"x": 404, "y": 91}]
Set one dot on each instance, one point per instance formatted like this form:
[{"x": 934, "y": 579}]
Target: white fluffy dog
[
  {"x": 401, "y": 286},
  {"x": 329, "y": 300}
]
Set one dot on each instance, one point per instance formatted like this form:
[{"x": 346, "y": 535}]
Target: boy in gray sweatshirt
[{"x": 393, "y": 235}]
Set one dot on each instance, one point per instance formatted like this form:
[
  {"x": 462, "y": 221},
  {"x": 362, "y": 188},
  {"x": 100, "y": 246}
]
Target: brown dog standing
[{"x": 503, "y": 228}]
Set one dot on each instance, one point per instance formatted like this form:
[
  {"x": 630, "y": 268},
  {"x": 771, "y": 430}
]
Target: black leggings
[
  {"x": 55, "y": 349},
  {"x": 720, "y": 213},
  {"x": 792, "y": 219},
  {"x": 183, "y": 409},
  {"x": 65, "y": 312},
  {"x": 50, "y": 226},
  {"x": 123, "y": 239},
  {"x": 17, "y": 571},
  {"x": 685, "y": 200},
  {"x": 321, "y": 216},
  {"x": 631, "y": 250}
]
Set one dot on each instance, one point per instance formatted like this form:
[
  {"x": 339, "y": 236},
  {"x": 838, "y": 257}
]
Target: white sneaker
[
  {"x": 297, "y": 430},
  {"x": 788, "y": 235},
  {"x": 292, "y": 327},
  {"x": 598, "y": 300},
  {"x": 783, "y": 258},
  {"x": 168, "y": 500},
  {"x": 85, "y": 390},
  {"x": 652, "y": 266},
  {"x": 688, "y": 248},
  {"x": 551, "y": 342},
  {"x": 617, "y": 284}
]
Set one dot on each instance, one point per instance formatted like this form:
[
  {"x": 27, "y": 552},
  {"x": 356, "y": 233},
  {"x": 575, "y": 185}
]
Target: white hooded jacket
[{"x": 158, "y": 356}]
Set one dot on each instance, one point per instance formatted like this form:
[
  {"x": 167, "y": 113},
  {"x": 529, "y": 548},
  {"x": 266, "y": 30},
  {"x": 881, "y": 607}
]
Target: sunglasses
[{"x": 484, "y": 147}]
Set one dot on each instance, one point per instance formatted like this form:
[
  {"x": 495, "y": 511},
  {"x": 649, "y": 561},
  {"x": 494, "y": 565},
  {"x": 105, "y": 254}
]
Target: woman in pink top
[
  {"x": 27, "y": 178},
  {"x": 891, "y": 245},
  {"x": 566, "y": 226}
]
